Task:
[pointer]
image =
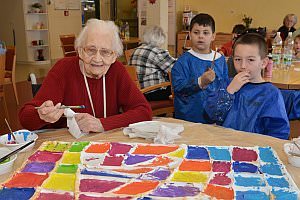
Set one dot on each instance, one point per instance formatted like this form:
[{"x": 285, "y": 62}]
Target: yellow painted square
[
  {"x": 190, "y": 177},
  {"x": 57, "y": 181},
  {"x": 179, "y": 153},
  {"x": 71, "y": 158}
]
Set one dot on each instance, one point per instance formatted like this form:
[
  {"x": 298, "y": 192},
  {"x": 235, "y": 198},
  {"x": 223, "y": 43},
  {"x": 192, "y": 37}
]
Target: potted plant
[
  {"x": 36, "y": 7},
  {"x": 247, "y": 21}
]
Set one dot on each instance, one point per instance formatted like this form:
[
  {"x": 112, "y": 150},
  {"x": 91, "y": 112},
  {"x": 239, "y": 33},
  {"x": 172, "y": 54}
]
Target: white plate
[{"x": 6, "y": 167}]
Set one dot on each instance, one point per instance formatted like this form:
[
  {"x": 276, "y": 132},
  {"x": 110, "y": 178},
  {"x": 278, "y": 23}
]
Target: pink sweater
[{"x": 65, "y": 83}]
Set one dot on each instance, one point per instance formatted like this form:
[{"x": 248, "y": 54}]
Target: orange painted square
[
  {"x": 219, "y": 192},
  {"x": 193, "y": 165},
  {"x": 98, "y": 148},
  {"x": 135, "y": 188},
  {"x": 154, "y": 149},
  {"x": 26, "y": 180}
]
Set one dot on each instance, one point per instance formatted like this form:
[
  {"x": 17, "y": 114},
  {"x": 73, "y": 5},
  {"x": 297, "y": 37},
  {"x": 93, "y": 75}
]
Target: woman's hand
[
  {"x": 87, "y": 123},
  {"x": 238, "y": 81},
  {"x": 50, "y": 112}
]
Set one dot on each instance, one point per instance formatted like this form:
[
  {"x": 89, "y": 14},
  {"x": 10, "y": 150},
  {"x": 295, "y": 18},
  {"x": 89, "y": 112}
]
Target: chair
[
  {"x": 67, "y": 45},
  {"x": 128, "y": 54},
  {"x": 10, "y": 69},
  {"x": 158, "y": 107},
  {"x": 2, "y": 74}
]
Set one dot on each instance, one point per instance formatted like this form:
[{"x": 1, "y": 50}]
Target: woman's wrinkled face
[
  {"x": 97, "y": 53},
  {"x": 289, "y": 22}
]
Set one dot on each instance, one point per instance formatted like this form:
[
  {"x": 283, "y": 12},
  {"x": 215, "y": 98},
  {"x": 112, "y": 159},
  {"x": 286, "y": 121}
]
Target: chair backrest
[
  {"x": 128, "y": 54},
  {"x": 68, "y": 44},
  {"x": 133, "y": 75},
  {"x": 10, "y": 60}
]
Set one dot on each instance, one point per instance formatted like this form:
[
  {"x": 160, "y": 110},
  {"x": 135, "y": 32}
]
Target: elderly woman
[
  {"x": 94, "y": 79},
  {"x": 153, "y": 63},
  {"x": 289, "y": 21}
]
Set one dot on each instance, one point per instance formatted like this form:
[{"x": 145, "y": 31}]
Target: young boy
[
  {"x": 248, "y": 103},
  {"x": 194, "y": 75},
  {"x": 297, "y": 46}
]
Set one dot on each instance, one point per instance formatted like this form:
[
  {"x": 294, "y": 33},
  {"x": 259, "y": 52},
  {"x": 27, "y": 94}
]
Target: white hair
[
  {"x": 154, "y": 36},
  {"x": 103, "y": 27}
]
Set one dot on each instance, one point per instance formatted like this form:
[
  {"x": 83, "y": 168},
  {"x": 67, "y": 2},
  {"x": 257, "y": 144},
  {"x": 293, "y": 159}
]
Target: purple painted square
[
  {"x": 37, "y": 167},
  {"x": 99, "y": 186}
]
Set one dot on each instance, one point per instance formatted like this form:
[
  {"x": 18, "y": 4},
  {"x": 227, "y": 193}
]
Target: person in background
[
  {"x": 226, "y": 49},
  {"x": 94, "y": 79},
  {"x": 297, "y": 46},
  {"x": 248, "y": 103},
  {"x": 289, "y": 21},
  {"x": 153, "y": 63},
  {"x": 195, "y": 74}
]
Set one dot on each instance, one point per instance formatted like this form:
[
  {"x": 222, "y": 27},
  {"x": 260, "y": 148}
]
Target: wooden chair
[
  {"x": 221, "y": 38},
  {"x": 128, "y": 54},
  {"x": 10, "y": 69},
  {"x": 158, "y": 107},
  {"x": 67, "y": 45},
  {"x": 2, "y": 74}
]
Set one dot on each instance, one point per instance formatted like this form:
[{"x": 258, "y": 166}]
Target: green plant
[
  {"x": 247, "y": 21},
  {"x": 37, "y": 5}
]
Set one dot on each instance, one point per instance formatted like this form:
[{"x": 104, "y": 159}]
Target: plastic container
[
  {"x": 6, "y": 166},
  {"x": 277, "y": 50},
  {"x": 293, "y": 154},
  {"x": 22, "y": 136},
  {"x": 288, "y": 51}
]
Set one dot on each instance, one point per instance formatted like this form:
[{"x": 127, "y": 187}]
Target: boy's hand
[
  {"x": 206, "y": 78},
  {"x": 238, "y": 81}
]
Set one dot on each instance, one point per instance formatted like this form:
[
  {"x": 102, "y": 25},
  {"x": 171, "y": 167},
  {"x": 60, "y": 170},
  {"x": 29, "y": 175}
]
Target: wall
[
  {"x": 60, "y": 24},
  {"x": 227, "y": 13},
  {"x": 11, "y": 17}
]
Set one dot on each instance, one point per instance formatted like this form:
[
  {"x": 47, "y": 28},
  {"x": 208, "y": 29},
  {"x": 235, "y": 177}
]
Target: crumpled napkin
[
  {"x": 72, "y": 124},
  {"x": 160, "y": 132}
]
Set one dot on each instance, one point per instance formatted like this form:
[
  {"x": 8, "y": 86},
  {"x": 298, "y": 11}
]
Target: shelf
[
  {"x": 36, "y": 29},
  {"x": 36, "y": 13},
  {"x": 38, "y": 46}
]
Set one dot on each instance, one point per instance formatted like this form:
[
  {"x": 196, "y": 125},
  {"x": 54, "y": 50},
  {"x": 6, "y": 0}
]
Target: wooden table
[
  {"x": 197, "y": 134},
  {"x": 131, "y": 40},
  {"x": 286, "y": 79}
]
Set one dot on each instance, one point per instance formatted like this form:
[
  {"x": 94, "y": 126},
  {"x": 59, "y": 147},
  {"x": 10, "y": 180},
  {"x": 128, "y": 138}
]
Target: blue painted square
[
  {"x": 278, "y": 182},
  {"x": 219, "y": 153},
  {"x": 16, "y": 193},
  {"x": 244, "y": 167},
  {"x": 196, "y": 152},
  {"x": 271, "y": 169},
  {"x": 251, "y": 195},
  {"x": 266, "y": 155},
  {"x": 249, "y": 181},
  {"x": 284, "y": 195}
]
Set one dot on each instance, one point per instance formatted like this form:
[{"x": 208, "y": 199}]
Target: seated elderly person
[
  {"x": 289, "y": 22},
  {"x": 94, "y": 79},
  {"x": 153, "y": 63}
]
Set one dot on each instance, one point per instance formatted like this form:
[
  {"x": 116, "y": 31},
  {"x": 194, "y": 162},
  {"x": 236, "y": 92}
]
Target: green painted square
[
  {"x": 67, "y": 169},
  {"x": 78, "y": 146}
]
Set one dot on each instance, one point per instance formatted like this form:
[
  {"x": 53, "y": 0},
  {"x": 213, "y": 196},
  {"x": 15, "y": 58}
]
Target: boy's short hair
[
  {"x": 297, "y": 37},
  {"x": 253, "y": 39},
  {"x": 239, "y": 29},
  {"x": 204, "y": 20}
]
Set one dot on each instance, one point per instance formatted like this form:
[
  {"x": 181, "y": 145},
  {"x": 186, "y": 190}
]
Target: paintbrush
[
  {"x": 16, "y": 151},
  {"x": 11, "y": 132},
  {"x": 63, "y": 107},
  {"x": 297, "y": 145},
  {"x": 213, "y": 61}
]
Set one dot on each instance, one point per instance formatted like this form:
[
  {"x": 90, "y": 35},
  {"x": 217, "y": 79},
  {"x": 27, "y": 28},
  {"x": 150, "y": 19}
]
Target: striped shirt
[{"x": 152, "y": 64}]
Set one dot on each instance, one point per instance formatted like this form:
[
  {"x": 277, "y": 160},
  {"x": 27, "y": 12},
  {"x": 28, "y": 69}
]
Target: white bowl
[
  {"x": 289, "y": 149},
  {"x": 22, "y": 137},
  {"x": 7, "y": 166}
]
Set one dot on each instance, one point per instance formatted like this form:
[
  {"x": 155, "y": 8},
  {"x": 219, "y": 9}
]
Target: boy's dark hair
[
  {"x": 260, "y": 30},
  {"x": 239, "y": 29},
  {"x": 204, "y": 20},
  {"x": 253, "y": 39}
]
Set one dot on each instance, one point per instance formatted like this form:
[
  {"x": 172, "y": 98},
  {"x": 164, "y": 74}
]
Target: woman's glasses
[{"x": 92, "y": 51}]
